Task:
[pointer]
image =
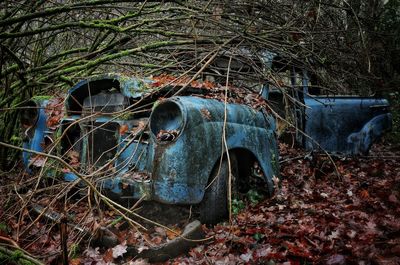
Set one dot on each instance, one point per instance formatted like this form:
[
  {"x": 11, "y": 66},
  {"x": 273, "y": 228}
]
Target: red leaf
[
  {"x": 54, "y": 111},
  {"x": 108, "y": 255},
  {"x": 364, "y": 194},
  {"x": 76, "y": 261},
  {"x": 123, "y": 129}
]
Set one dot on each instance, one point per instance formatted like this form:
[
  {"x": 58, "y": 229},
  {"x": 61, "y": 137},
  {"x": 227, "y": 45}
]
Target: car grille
[{"x": 102, "y": 143}]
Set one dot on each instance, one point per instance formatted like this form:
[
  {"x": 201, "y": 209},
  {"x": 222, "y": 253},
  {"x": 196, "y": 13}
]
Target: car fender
[
  {"x": 181, "y": 168},
  {"x": 370, "y": 133}
]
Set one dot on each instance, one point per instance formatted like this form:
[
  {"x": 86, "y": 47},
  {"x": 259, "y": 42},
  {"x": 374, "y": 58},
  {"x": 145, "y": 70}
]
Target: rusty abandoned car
[
  {"x": 168, "y": 152},
  {"x": 180, "y": 150}
]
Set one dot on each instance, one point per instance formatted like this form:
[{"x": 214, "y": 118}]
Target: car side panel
[
  {"x": 329, "y": 121},
  {"x": 181, "y": 169},
  {"x": 37, "y": 141}
]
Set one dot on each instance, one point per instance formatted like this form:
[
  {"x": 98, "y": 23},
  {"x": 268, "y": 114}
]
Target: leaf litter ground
[{"x": 316, "y": 217}]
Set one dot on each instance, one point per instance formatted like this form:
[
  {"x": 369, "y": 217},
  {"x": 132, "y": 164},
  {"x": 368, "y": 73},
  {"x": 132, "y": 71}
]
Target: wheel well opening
[
  {"x": 250, "y": 173},
  {"x": 245, "y": 163}
]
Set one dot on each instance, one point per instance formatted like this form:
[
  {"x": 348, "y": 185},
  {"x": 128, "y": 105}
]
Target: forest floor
[{"x": 320, "y": 215}]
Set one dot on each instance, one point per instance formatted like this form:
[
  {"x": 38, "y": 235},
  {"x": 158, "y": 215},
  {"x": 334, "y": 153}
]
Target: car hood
[{"x": 130, "y": 87}]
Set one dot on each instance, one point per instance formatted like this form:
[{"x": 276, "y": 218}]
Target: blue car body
[
  {"x": 346, "y": 125},
  {"x": 165, "y": 150},
  {"x": 125, "y": 147},
  {"x": 34, "y": 137}
]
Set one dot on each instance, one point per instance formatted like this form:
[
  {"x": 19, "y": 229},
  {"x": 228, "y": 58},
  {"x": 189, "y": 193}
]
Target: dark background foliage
[{"x": 349, "y": 47}]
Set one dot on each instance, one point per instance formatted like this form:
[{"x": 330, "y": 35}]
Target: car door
[{"x": 343, "y": 124}]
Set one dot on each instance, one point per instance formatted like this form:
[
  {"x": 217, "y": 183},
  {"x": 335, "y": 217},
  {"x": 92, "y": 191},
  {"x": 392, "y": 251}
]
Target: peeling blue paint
[
  {"x": 40, "y": 130},
  {"x": 177, "y": 169}
]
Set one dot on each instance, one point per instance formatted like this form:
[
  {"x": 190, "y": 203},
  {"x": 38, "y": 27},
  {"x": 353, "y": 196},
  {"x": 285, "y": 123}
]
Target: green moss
[
  {"x": 41, "y": 98},
  {"x": 237, "y": 206},
  {"x": 4, "y": 228},
  {"x": 18, "y": 257},
  {"x": 58, "y": 133},
  {"x": 254, "y": 197},
  {"x": 126, "y": 116},
  {"x": 74, "y": 251},
  {"x": 155, "y": 104},
  {"x": 16, "y": 254},
  {"x": 135, "y": 86},
  {"x": 4, "y": 259},
  {"x": 116, "y": 221},
  {"x": 25, "y": 262},
  {"x": 15, "y": 140},
  {"x": 121, "y": 78}
]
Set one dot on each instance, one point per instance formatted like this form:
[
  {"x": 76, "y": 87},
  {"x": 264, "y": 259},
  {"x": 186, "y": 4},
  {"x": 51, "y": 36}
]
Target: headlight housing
[
  {"x": 167, "y": 121},
  {"x": 29, "y": 115}
]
